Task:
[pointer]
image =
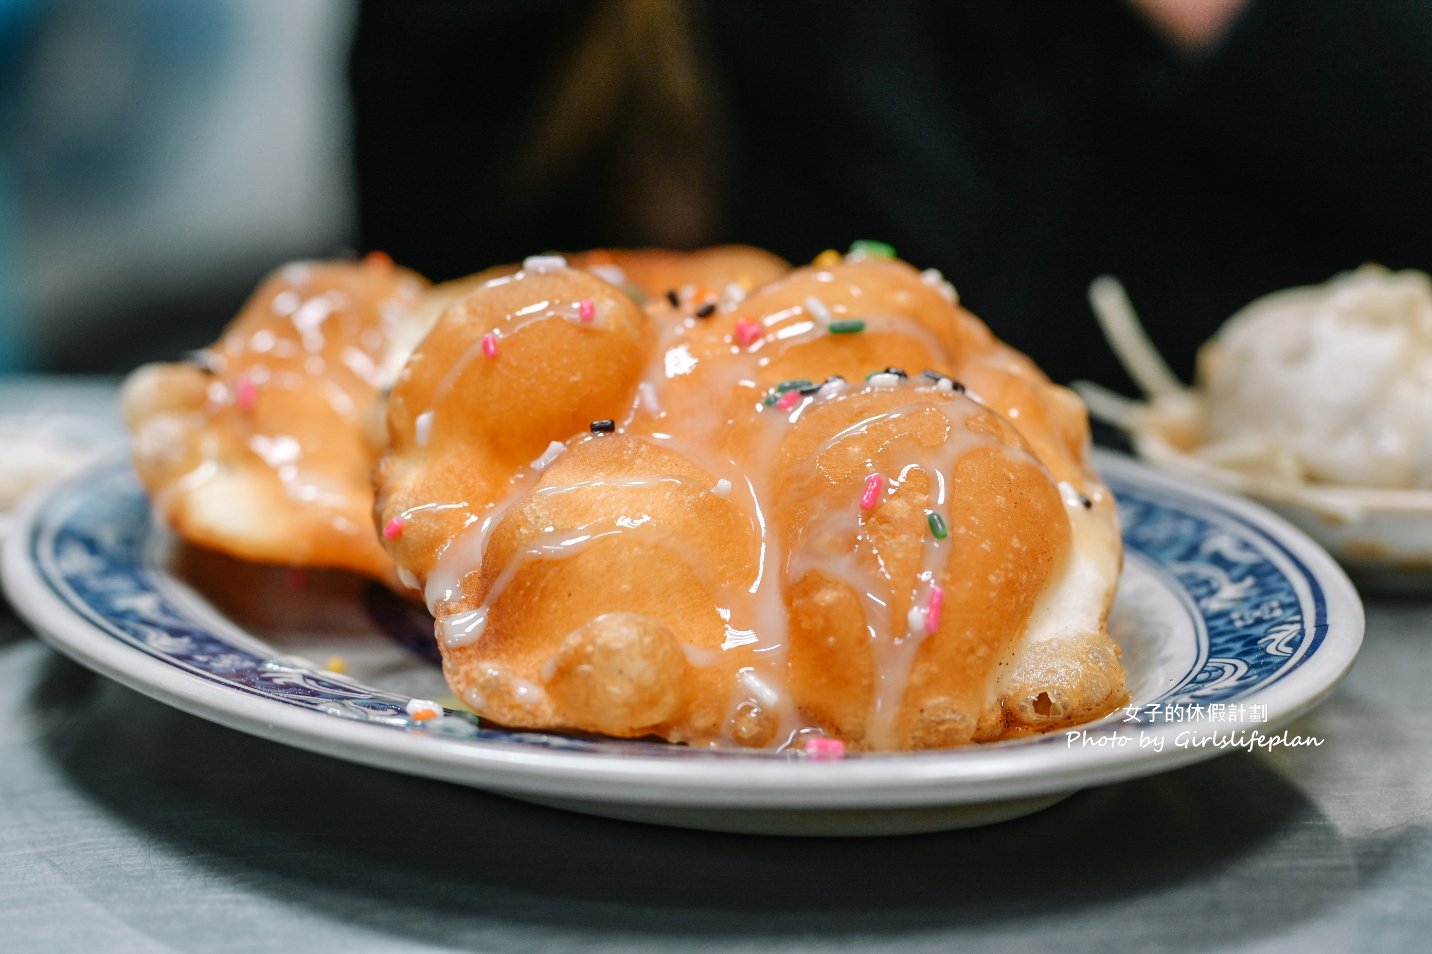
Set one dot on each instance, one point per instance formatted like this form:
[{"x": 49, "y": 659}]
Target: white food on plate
[{"x": 1329, "y": 383}]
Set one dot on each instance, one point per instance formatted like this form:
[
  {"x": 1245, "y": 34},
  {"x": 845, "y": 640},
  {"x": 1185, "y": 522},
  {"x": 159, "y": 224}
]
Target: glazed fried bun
[
  {"x": 263, "y": 445},
  {"x": 762, "y": 506}
]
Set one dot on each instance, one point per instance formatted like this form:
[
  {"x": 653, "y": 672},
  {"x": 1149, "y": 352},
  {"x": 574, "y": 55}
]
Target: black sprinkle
[
  {"x": 1085, "y": 502},
  {"x": 671, "y": 297},
  {"x": 898, "y": 372},
  {"x": 706, "y": 310},
  {"x": 937, "y": 377},
  {"x": 810, "y": 389},
  {"x": 603, "y": 427},
  {"x": 201, "y": 360}
]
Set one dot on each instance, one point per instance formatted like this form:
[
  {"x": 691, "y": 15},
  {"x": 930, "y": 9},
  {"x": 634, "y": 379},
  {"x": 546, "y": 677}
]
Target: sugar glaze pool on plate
[{"x": 1221, "y": 604}]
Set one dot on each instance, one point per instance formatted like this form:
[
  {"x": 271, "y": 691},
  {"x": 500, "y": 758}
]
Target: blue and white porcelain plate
[{"x": 1232, "y": 624}]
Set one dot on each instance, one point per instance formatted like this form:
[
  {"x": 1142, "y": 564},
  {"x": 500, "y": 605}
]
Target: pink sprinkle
[
  {"x": 394, "y": 528},
  {"x": 586, "y": 310},
  {"x": 246, "y": 393},
  {"x": 788, "y": 400},
  {"x": 933, "y": 608},
  {"x": 489, "y": 345},
  {"x": 821, "y": 749},
  {"x": 871, "y": 495},
  {"x": 748, "y": 332}
]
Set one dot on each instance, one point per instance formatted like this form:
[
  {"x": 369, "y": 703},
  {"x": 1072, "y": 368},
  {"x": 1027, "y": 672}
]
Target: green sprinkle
[
  {"x": 769, "y": 400},
  {"x": 795, "y": 385},
  {"x": 937, "y": 525},
  {"x": 636, "y": 294},
  {"x": 848, "y": 326},
  {"x": 873, "y": 249}
]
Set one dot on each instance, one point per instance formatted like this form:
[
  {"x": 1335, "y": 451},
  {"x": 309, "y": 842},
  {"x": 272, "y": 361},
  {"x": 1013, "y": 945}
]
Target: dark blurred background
[{"x": 160, "y": 155}]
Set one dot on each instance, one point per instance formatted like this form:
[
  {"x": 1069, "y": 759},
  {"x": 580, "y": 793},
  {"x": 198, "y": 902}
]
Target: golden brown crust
[
  {"x": 706, "y": 574},
  {"x": 262, "y": 448}
]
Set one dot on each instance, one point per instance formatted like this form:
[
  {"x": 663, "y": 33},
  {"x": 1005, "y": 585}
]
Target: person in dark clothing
[{"x": 1023, "y": 149}]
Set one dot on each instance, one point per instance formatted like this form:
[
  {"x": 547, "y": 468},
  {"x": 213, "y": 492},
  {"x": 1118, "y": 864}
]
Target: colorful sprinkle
[
  {"x": 848, "y": 326},
  {"x": 336, "y": 664},
  {"x": 489, "y": 345},
  {"x": 795, "y": 384},
  {"x": 376, "y": 257},
  {"x": 872, "y": 249},
  {"x": 605, "y": 426},
  {"x": 748, "y": 332},
  {"x": 672, "y": 299},
  {"x": 944, "y": 382},
  {"x": 586, "y": 310},
  {"x": 246, "y": 393},
  {"x": 827, "y": 258},
  {"x": 937, "y": 525},
  {"x": 393, "y": 529},
  {"x": 706, "y": 310},
  {"x": 821, "y": 749},
  {"x": 295, "y": 579},
  {"x": 882, "y": 379},
  {"x": 722, "y": 488},
  {"x": 611, "y": 274},
  {"x": 933, "y": 607},
  {"x": 818, "y": 309},
  {"x": 423, "y": 428},
  {"x": 422, "y": 710},
  {"x": 870, "y": 496},
  {"x": 788, "y": 400},
  {"x": 543, "y": 263}
]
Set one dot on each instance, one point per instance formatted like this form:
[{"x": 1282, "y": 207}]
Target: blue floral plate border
[{"x": 1232, "y": 622}]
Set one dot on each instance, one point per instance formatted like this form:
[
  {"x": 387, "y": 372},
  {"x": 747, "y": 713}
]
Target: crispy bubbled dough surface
[
  {"x": 1007, "y": 531},
  {"x": 488, "y": 415},
  {"x": 718, "y": 571},
  {"x": 263, "y": 446},
  {"x": 641, "y": 535}
]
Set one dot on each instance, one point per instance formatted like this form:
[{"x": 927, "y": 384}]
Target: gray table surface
[{"x": 126, "y": 826}]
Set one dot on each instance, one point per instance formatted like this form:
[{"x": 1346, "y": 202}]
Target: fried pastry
[
  {"x": 734, "y": 516},
  {"x": 262, "y": 446}
]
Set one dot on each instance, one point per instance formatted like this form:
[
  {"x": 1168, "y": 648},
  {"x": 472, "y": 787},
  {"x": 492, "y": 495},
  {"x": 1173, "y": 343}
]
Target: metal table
[{"x": 126, "y": 826}]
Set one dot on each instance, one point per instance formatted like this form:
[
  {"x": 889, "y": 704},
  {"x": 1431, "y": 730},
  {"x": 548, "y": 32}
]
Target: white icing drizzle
[
  {"x": 459, "y": 629},
  {"x": 753, "y": 611},
  {"x": 553, "y": 451},
  {"x": 761, "y": 691}
]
